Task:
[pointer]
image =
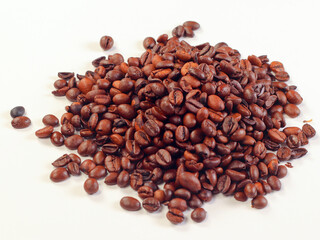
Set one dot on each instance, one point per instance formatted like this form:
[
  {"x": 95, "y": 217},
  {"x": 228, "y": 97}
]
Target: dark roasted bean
[{"x": 130, "y": 204}]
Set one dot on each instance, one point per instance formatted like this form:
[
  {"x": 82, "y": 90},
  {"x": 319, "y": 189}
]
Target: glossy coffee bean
[
  {"x": 20, "y": 122},
  {"x": 175, "y": 216},
  {"x": 50, "y": 120},
  {"x": 59, "y": 174},
  {"x": 44, "y": 132},
  {"x": 198, "y": 215},
  {"x": 130, "y": 204},
  {"x": 91, "y": 186},
  {"x": 106, "y": 42},
  {"x": 259, "y": 202}
]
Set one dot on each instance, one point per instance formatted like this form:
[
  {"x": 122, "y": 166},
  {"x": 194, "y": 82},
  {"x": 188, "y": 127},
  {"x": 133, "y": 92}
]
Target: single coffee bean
[
  {"x": 276, "y": 136},
  {"x": 259, "y": 202},
  {"x": 151, "y": 204},
  {"x": 73, "y": 168},
  {"x": 57, "y": 139},
  {"x": 293, "y": 141},
  {"x": 308, "y": 130},
  {"x": 59, "y": 174},
  {"x": 123, "y": 179},
  {"x": 62, "y": 161},
  {"x": 192, "y": 24},
  {"x": 178, "y": 203},
  {"x": 98, "y": 172},
  {"x": 111, "y": 179},
  {"x": 44, "y": 132},
  {"x": 274, "y": 182},
  {"x": 72, "y": 142},
  {"x": 291, "y": 110},
  {"x": 284, "y": 153},
  {"x": 130, "y": 204},
  {"x": 240, "y": 196},
  {"x": 145, "y": 192},
  {"x": 50, "y": 120},
  {"x": 189, "y": 181},
  {"x": 87, "y": 165},
  {"x": 282, "y": 171},
  {"x": 250, "y": 190},
  {"x": 198, "y": 215},
  {"x": 20, "y": 122},
  {"x": 175, "y": 216},
  {"x": 298, "y": 153},
  {"x": 91, "y": 186},
  {"x": 17, "y": 111},
  {"x": 163, "y": 158},
  {"x": 223, "y": 183},
  {"x": 106, "y": 42}
]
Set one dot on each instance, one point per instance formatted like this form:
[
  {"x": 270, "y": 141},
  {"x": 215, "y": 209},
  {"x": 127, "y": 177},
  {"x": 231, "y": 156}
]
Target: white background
[{"x": 41, "y": 38}]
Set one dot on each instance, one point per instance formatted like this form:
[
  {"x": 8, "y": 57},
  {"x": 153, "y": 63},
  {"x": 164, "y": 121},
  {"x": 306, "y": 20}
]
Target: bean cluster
[{"x": 199, "y": 119}]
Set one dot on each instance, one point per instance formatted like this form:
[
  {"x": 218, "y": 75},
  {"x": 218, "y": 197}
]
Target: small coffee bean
[
  {"x": 274, "y": 182},
  {"x": 130, "y": 204},
  {"x": 62, "y": 161},
  {"x": 298, "y": 153},
  {"x": 20, "y": 122},
  {"x": 87, "y": 165},
  {"x": 145, "y": 192},
  {"x": 50, "y": 120},
  {"x": 198, "y": 215},
  {"x": 44, "y": 132},
  {"x": 91, "y": 186},
  {"x": 284, "y": 153},
  {"x": 282, "y": 171},
  {"x": 259, "y": 202},
  {"x": 151, "y": 204},
  {"x": 240, "y": 196},
  {"x": 17, "y": 111},
  {"x": 106, "y": 42},
  {"x": 98, "y": 172},
  {"x": 175, "y": 216},
  {"x": 57, "y": 139},
  {"x": 250, "y": 190},
  {"x": 59, "y": 174},
  {"x": 72, "y": 142},
  {"x": 192, "y": 24},
  {"x": 291, "y": 110},
  {"x": 73, "y": 169},
  {"x": 163, "y": 158},
  {"x": 189, "y": 181},
  {"x": 111, "y": 179},
  {"x": 123, "y": 179},
  {"x": 308, "y": 130},
  {"x": 178, "y": 203}
]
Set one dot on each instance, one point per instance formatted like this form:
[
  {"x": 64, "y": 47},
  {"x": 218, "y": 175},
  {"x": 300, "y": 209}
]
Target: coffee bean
[
  {"x": 282, "y": 171},
  {"x": 259, "y": 202},
  {"x": 198, "y": 215},
  {"x": 163, "y": 158},
  {"x": 123, "y": 179},
  {"x": 189, "y": 181},
  {"x": 276, "y": 136},
  {"x": 91, "y": 186},
  {"x": 175, "y": 216},
  {"x": 284, "y": 153},
  {"x": 111, "y": 179},
  {"x": 50, "y": 120},
  {"x": 62, "y": 161},
  {"x": 223, "y": 183},
  {"x": 216, "y": 103},
  {"x": 250, "y": 190},
  {"x": 73, "y": 169},
  {"x": 20, "y": 122},
  {"x": 57, "y": 139},
  {"x": 192, "y": 24},
  {"x": 130, "y": 204},
  {"x": 274, "y": 182},
  {"x": 308, "y": 130},
  {"x": 106, "y": 42},
  {"x": 151, "y": 204},
  {"x": 291, "y": 110},
  {"x": 59, "y": 174},
  {"x": 98, "y": 172},
  {"x": 298, "y": 153},
  {"x": 87, "y": 165},
  {"x": 178, "y": 203},
  {"x": 240, "y": 196},
  {"x": 44, "y": 132},
  {"x": 151, "y": 128},
  {"x": 17, "y": 111}
]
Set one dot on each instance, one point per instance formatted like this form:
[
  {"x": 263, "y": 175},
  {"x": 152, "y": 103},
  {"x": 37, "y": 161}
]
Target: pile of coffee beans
[
  {"x": 199, "y": 119},
  {"x": 19, "y": 121}
]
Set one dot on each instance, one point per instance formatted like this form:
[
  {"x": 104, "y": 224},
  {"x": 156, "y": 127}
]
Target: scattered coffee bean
[
  {"x": 198, "y": 215},
  {"x": 59, "y": 174},
  {"x": 17, "y": 111},
  {"x": 91, "y": 186},
  {"x": 259, "y": 202},
  {"x": 20, "y": 122},
  {"x": 175, "y": 216},
  {"x": 106, "y": 42},
  {"x": 130, "y": 204}
]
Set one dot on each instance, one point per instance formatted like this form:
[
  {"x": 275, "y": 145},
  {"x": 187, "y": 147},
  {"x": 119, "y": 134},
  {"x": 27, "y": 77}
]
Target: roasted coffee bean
[
  {"x": 67, "y": 129},
  {"x": 240, "y": 196},
  {"x": 259, "y": 202},
  {"x": 98, "y": 172},
  {"x": 273, "y": 167},
  {"x": 106, "y": 42},
  {"x": 198, "y": 215},
  {"x": 250, "y": 190},
  {"x": 151, "y": 128},
  {"x": 123, "y": 179},
  {"x": 282, "y": 171},
  {"x": 175, "y": 216},
  {"x": 274, "y": 183},
  {"x": 151, "y": 204},
  {"x": 308, "y": 130},
  {"x": 192, "y": 24},
  {"x": 72, "y": 142},
  {"x": 50, "y": 120},
  {"x": 17, "y": 111},
  {"x": 291, "y": 110},
  {"x": 57, "y": 139},
  {"x": 182, "y": 134},
  {"x": 87, "y": 165},
  {"x": 75, "y": 158},
  {"x": 20, "y": 122},
  {"x": 62, "y": 161},
  {"x": 298, "y": 153},
  {"x": 130, "y": 204},
  {"x": 293, "y": 141},
  {"x": 163, "y": 158},
  {"x": 284, "y": 153},
  {"x": 44, "y": 132},
  {"x": 87, "y": 148},
  {"x": 223, "y": 183},
  {"x": 59, "y": 174},
  {"x": 178, "y": 203},
  {"x": 91, "y": 186},
  {"x": 73, "y": 169},
  {"x": 189, "y": 181},
  {"x": 276, "y": 136},
  {"x": 111, "y": 179}
]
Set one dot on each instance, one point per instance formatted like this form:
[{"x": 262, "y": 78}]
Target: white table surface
[{"x": 41, "y": 38}]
